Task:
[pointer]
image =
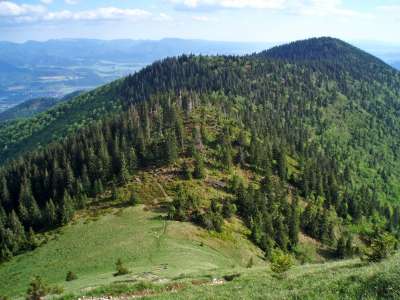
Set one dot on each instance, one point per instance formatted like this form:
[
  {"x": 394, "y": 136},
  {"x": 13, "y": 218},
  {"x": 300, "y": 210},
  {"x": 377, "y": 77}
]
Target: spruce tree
[
  {"x": 282, "y": 165},
  {"x": 31, "y": 239},
  {"x": 341, "y": 247},
  {"x": 4, "y": 193},
  {"x": 294, "y": 223},
  {"x": 23, "y": 214},
  {"x": 132, "y": 160},
  {"x": 199, "y": 169},
  {"x": 171, "y": 148},
  {"x": 66, "y": 209},
  {"x": 186, "y": 171},
  {"x": 51, "y": 213},
  {"x": 19, "y": 237},
  {"x": 123, "y": 169},
  {"x": 35, "y": 213}
]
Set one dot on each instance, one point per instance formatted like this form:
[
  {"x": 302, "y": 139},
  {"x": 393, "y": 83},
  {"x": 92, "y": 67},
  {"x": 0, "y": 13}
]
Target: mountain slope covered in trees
[
  {"x": 292, "y": 143},
  {"x": 33, "y": 107}
]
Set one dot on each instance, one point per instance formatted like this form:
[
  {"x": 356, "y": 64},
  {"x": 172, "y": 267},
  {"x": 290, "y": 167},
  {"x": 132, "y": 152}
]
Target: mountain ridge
[{"x": 303, "y": 155}]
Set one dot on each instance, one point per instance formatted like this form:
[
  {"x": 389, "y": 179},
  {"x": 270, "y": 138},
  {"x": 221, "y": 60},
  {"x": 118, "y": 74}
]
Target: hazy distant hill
[{"x": 32, "y": 107}]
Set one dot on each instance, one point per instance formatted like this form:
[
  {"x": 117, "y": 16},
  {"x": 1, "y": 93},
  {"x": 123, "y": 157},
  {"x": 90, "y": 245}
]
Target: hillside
[
  {"x": 347, "y": 87},
  {"x": 278, "y": 151},
  {"x": 32, "y": 107},
  {"x": 54, "y": 68}
]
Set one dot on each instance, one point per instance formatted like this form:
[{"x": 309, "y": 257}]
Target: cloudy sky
[{"x": 230, "y": 20}]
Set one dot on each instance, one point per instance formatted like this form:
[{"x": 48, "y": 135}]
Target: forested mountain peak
[{"x": 324, "y": 48}]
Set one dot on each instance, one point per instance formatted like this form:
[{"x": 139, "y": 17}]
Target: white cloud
[
  {"x": 102, "y": 13},
  {"x": 319, "y": 8},
  {"x": 201, "y": 18},
  {"x": 22, "y": 13},
  {"x": 389, "y": 11},
  {"x": 11, "y": 9},
  {"x": 215, "y": 4},
  {"x": 71, "y": 2},
  {"x": 164, "y": 17},
  {"x": 322, "y": 8},
  {"x": 46, "y": 1}
]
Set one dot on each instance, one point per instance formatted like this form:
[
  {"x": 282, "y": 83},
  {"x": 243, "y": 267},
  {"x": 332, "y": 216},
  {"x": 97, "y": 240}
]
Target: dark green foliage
[
  {"x": 269, "y": 216},
  {"x": 114, "y": 192},
  {"x": 66, "y": 210},
  {"x": 50, "y": 214},
  {"x": 228, "y": 209},
  {"x": 31, "y": 239},
  {"x": 211, "y": 220},
  {"x": 37, "y": 289},
  {"x": 344, "y": 247},
  {"x": 171, "y": 148},
  {"x": 381, "y": 246},
  {"x": 184, "y": 206},
  {"x": 186, "y": 171},
  {"x": 294, "y": 223},
  {"x": 231, "y": 277},
  {"x": 121, "y": 269},
  {"x": 199, "y": 169},
  {"x": 71, "y": 276}
]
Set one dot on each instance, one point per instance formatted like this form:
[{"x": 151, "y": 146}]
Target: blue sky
[{"x": 228, "y": 20}]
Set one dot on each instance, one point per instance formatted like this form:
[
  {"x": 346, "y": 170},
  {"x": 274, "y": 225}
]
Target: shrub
[
  {"x": 56, "y": 290},
  {"x": 186, "y": 171},
  {"x": 280, "y": 261},
  {"x": 230, "y": 277},
  {"x": 121, "y": 269},
  {"x": 382, "y": 246},
  {"x": 211, "y": 221},
  {"x": 71, "y": 276},
  {"x": 234, "y": 183},
  {"x": 37, "y": 289},
  {"x": 228, "y": 210}
]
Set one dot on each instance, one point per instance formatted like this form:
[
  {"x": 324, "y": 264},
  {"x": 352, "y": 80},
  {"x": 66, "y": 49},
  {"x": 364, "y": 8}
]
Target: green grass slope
[
  {"x": 349, "y": 279},
  {"x": 337, "y": 280},
  {"x": 148, "y": 245}
]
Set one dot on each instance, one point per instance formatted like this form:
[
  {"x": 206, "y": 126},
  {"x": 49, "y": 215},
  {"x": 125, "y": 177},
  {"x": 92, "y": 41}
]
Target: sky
[{"x": 224, "y": 20}]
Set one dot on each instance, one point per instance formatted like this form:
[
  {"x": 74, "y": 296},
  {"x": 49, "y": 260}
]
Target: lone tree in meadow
[
  {"x": 382, "y": 246},
  {"x": 280, "y": 261}
]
